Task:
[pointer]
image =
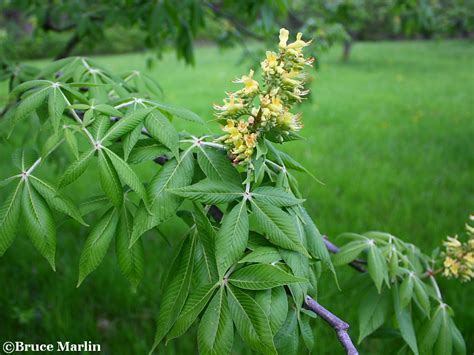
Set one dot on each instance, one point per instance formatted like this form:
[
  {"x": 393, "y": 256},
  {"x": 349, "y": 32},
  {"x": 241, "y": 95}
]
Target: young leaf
[
  {"x": 278, "y": 226},
  {"x": 216, "y": 331},
  {"x": 377, "y": 266},
  {"x": 430, "y": 331},
  {"x": 274, "y": 303},
  {"x": 458, "y": 340},
  {"x": 9, "y": 217},
  {"x": 39, "y": 222},
  {"x": 287, "y": 339},
  {"x": 373, "y": 311},
  {"x": 161, "y": 129},
  {"x": 210, "y": 192},
  {"x": 261, "y": 277},
  {"x": 108, "y": 110},
  {"x": 444, "y": 343},
  {"x": 145, "y": 150},
  {"x": 56, "y": 200},
  {"x": 179, "y": 112},
  {"x": 421, "y": 296},
  {"x": 100, "y": 127},
  {"x": 130, "y": 260},
  {"x": 56, "y": 106},
  {"x": 194, "y": 305},
  {"x": 232, "y": 237},
  {"x": 275, "y": 196},
  {"x": 349, "y": 252},
  {"x": 251, "y": 321},
  {"x": 127, "y": 175},
  {"x": 406, "y": 291},
  {"x": 126, "y": 124},
  {"x": 109, "y": 180},
  {"x": 217, "y": 166},
  {"x": 130, "y": 140},
  {"x": 71, "y": 142},
  {"x": 314, "y": 241},
  {"x": 97, "y": 244},
  {"x": 76, "y": 169},
  {"x": 177, "y": 288},
  {"x": 404, "y": 320},
  {"x": 30, "y": 103}
]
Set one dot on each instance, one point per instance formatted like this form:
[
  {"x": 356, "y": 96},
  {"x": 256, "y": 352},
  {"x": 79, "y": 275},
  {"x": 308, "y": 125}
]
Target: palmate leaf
[
  {"x": 207, "y": 238},
  {"x": 130, "y": 140},
  {"x": 30, "y": 104},
  {"x": 274, "y": 303},
  {"x": 176, "y": 289},
  {"x": 29, "y": 85},
  {"x": 421, "y": 296},
  {"x": 9, "y": 217},
  {"x": 97, "y": 244},
  {"x": 373, "y": 311},
  {"x": 306, "y": 332},
  {"x": 264, "y": 255},
  {"x": 130, "y": 260},
  {"x": 232, "y": 237},
  {"x": 39, "y": 222},
  {"x": 278, "y": 226},
  {"x": 275, "y": 196},
  {"x": 56, "y": 106},
  {"x": 210, "y": 192},
  {"x": 194, "y": 305},
  {"x": 216, "y": 331},
  {"x": 56, "y": 200},
  {"x": 250, "y": 321},
  {"x": 108, "y": 110},
  {"x": 126, "y": 124},
  {"x": 71, "y": 141},
  {"x": 261, "y": 277},
  {"x": 377, "y": 265},
  {"x": 163, "y": 203},
  {"x": 145, "y": 150},
  {"x": 127, "y": 175},
  {"x": 162, "y": 130},
  {"x": 404, "y": 321},
  {"x": 299, "y": 265},
  {"x": 287, "y": 339},
  {"x": 76, "y": 169},
  {"x": 109, "y": 180},
  {"x": 349, "y": 252},
  {"x": 178, "y": 112},
  {"x": 406, "y": 291},
  {"x": 217, "y": 166}
]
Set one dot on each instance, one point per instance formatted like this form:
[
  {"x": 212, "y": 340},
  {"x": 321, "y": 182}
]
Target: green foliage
[{"x": 239, "y": 280}]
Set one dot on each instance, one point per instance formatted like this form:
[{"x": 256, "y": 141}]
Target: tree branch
[{"x": 335, "y": 322}]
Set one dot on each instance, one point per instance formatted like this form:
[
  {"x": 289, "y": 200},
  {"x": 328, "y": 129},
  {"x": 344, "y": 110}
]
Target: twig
[
  {"x": 335, "y": 322},
  {"x": 356, "y": 264}
]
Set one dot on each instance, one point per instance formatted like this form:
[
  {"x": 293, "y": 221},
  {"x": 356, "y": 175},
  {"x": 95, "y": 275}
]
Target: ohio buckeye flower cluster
[
  {"x": 459, "y": 257},
  {"x": 258, "y": 108}
]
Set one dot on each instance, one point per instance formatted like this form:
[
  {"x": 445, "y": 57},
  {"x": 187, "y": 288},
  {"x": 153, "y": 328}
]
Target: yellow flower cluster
[
  {"x": 459, "y": 257},
  {"x": 265, "y": 107},
  {"x": 241, "y": 141}
]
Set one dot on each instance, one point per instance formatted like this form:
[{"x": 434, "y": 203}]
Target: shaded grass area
[{"x": 391, "y": 135}]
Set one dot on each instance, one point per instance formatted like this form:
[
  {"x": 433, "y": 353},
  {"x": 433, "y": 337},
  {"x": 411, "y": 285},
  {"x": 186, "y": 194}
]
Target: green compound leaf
[
  {"x": 76, "y": 169},
  {"x": 216, "y": 331},
  {"x": 210, "y": 192},
  {"x": 97, "y": 244},
  {"x": 250, "y": 321},
  {"x": 278, "y": 226},
  {"x": 130, "y": 260},
  {"x": 262, "y": 277},
  {"x": 127, "y": 175},
  {"x": 56, "y": 106},
  {"x": 377, "y": 265},
  {"x": 39, "y": 222},
  {"x": 109, "y": 180},
  {"x": 373, "y": 311},
  {"x": 194, "y": 305},
  {"x": 9, "y": 217},
  {"x": 207, "y": 237},
  {"x": 217, "y": 166},
  {"x": 275, "y": 196},
  {"x": 178, "y": 112},
  {"x": 349, "y": 252},
  {"x": 232, "y": 237},
  {"x": 56, "y": 200},
  {"x": 274, "y": 303},
  {"x": 162, "y": 130},
  {"x": 176, "y": 289}
]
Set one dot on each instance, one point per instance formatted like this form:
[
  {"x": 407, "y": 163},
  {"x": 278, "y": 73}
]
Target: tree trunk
[{"x": 346, "y": 50}]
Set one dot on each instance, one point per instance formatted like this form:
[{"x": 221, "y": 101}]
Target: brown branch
[{"x": 335, "y": 322}]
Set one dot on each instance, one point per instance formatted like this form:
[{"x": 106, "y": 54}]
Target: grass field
[{"x": 391, "y": 134}]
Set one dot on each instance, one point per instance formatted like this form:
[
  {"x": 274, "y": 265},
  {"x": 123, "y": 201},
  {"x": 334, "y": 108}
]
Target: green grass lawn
[{"x": 391, "y": 134}]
